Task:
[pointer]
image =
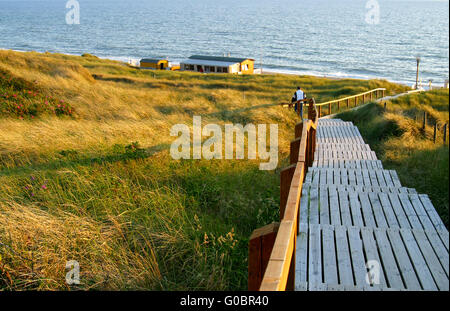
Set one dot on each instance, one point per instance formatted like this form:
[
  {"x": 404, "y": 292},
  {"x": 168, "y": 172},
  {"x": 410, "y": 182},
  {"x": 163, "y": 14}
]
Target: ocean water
[{"x": 320, "y": 37}]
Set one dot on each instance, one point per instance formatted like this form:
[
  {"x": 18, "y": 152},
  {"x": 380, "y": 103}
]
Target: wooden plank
[
  {"x": 388, "y": 178},
  {"x": 343, "y": 257},
  {"x": 432, "y": 214},
  {"x": 313, "y": 217},
  {"x": 377, "y": 210},
  {"x": 356, "y": 252},
  {"x": 398, "y": 210},
  {"x": 371, "y": 250},
  {"x": 304, "y": 204},
  {"x": 439, "y": 274},
  {"x": 421, "y": 213},
  {"x": 400, "y": 253},
  {"x": 409, "y": 211},
  {"x": 329, "y": 255},
  {"x": 345, "y": 209},
  {"x": 388, "y": 211},
  {"x": 324, "y": 212},
  {"x": 301, "y": 265},
  {"x": 366, "y": 207},
  {"x": 420, "y": 266},
  {"x": 395, "y": 178},
  {"x": 439, "y": 248},
  {"x": 355, "y": 208},
  {"x": 315, "y": 256},
  {"x": 387, "y": 257},
  {"x": 335, "y": 214}
]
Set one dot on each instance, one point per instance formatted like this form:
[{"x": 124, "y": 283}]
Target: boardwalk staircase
[{"x": 346, "y": 222}]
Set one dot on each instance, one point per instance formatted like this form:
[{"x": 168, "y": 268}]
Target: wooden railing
[
  {"x": 348, "y": 102},
  {"x": 272, "y": 248}
]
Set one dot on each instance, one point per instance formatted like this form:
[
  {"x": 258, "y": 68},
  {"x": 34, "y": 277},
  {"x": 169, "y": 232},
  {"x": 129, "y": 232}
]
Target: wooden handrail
[
  {"x": 352, "y": 96},
  {"x": 280, "y": 272}
]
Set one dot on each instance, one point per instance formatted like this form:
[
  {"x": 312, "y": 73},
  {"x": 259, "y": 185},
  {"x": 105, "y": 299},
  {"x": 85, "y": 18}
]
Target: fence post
[
  {"x": 339, "y": 105},
  {"x": 434, "y": 132},
  {"x": 384, "y": 106},
  {"x": 445, "y": 133},
  {"x": 259, "y": 249},
  {"x": 424, "y": 125},
  {"x": 320, "y": 111},
  {"x": 294, "y": 150},
  {"x": 384, "y": 92},
  {"x": 286, "y": 175},
  {"x": 329, "y": 108}
]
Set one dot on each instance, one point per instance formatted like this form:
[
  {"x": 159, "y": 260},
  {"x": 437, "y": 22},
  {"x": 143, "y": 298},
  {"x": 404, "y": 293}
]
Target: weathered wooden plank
[
  {"x": 393, "y": 274},
  {"x": 315, "y": 258},
  {"x": 398, "y": 210},
  {"x": 420, "y": 211},
  {"x": 432, "y": 214},
  {"x": 388, "y": 211},
  {"x": 371, "y": 250},
  {"x": 439, "y": 248},
  {"x": 439, "y": 274},
  {"x": 355, "y": 208},
  {"x": 335, "y": 214},
  {"x": 377, "y": 210},
  {"x": 400, "y": 253},
  {"x": 301, "y": 264},
  {"x": 343, "y": 257},
  {"x": 420, "y": 266},
  {"x": 356, "y": 252},
  {"x": 324, "y": 212},
  {"x": 329, "y": 255},
  {"x": 313, "y": 217},
  {"x": 345, "y": 209},
  {"x": 366, "y": 207},
  {"x": 409, "y": 211}
]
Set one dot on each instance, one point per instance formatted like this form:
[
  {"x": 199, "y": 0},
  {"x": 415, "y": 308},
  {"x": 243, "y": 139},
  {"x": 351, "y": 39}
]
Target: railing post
[
  {"x": 445, "y": 133},
  {"x": 320, "y": 111},
  {"x": 435, "y": 132},
  {"x": 424, "y": 125},
  {"x": 294, "y": 150},
  {"x": 384, "y": 92},
  {"x": 286, "y": 175},
  {"x": 329, "y": 108},
  {"x": 259, "y": 249}
]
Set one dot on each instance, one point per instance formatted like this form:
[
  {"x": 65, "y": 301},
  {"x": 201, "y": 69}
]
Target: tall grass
[
  {"x": 400, "y": 142},
  {"x": 99, "y": 186}
]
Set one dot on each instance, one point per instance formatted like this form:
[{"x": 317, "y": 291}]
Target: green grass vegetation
[
  {"x": 95, "y": 183},
  {"x": 397, "y": 137}
]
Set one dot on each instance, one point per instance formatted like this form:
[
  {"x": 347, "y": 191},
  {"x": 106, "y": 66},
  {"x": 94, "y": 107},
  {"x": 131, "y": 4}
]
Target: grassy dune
[
  {"x": 85, "y": 172},
  {"x": 397, "y": 137}
]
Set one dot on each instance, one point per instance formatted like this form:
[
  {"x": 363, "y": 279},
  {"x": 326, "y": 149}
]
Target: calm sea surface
[{"x": 320, "y": 37}]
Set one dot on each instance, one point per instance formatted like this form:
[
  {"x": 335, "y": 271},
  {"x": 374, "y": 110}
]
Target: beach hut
[
  {"x": 154, "y": 63},
  {"x": 218, "y": 64}
]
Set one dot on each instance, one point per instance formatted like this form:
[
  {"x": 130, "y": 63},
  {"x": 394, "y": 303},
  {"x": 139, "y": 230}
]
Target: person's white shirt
[{"x": 300, "y": 94}]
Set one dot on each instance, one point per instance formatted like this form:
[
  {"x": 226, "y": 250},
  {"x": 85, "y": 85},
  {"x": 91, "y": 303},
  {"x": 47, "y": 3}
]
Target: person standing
[{"x": 299, "y": 96}]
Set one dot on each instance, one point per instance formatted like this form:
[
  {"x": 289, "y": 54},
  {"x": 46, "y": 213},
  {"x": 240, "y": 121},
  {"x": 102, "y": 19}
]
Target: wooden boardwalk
[{"x": 356, "y": 217}]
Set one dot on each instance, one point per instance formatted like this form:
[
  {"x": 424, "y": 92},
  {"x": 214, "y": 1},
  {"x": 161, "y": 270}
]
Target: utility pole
[{"x": 417, "y": 72}]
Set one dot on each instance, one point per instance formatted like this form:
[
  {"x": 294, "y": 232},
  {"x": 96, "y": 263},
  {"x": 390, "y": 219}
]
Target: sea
[{"x": 334, "y": 38}]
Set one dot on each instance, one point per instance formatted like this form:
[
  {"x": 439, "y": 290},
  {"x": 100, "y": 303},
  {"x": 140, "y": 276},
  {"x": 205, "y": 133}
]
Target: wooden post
[
  {"x": 298, "y": 129},
  {"x": 320, "y": 111},
  {"x": 329, "y": 108},
  {"x": 339, "y": 106},
  {"x": 384, "y": 92},
  {"x": 434, "y": 132},
  {"x": 259, "y": 250},
  {"x": 371, "y": 96},
  {"x": 348, "y": 102},
  {"x": 286, "y": 175},
  {"x": 424, "y": 125},
  {"x": 445, "y": 133},
  {"x": 384, "y": 106},
  {"x": 294, "y": 150}
]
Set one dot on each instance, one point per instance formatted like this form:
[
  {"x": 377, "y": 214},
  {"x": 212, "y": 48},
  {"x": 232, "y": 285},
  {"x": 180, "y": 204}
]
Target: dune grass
[
  {"x": 98, "y": 185},
  {"x": 397, "y": 137}
]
